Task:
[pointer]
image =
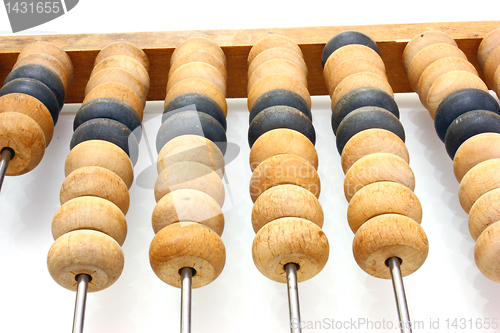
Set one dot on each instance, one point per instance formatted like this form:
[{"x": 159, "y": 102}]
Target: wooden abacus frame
[{"x": 391, "y": 40}]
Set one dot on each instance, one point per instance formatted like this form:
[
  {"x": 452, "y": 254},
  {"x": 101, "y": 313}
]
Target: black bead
[
  {"x": 460, "y": 102},
  {"x": 280, "y": 97},
  {"x": 107, "y": 130},
  {"x": 110, "y": 108},
  {"x": 468, "y": 125},
  {"x": 191, "y": 122},
  {"x": 365, "y": 118},
  {"x": 36, "y": 89},
  {"x": 195, "y": 102},
  {"x": 280, "y": 117},
  {"x": 346, "y": 38},
  {"x": 360, "y": 97}
]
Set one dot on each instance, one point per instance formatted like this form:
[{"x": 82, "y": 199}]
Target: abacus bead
[
  {"x": 350, "y": 67},
  {"x": 92, "y": 213},
  {"x": 377, "y": 167},
  {"x": 277, "y": 53},
  {"x": 123, "y": 48},
  {"x": 484, "y": 212},
  {"x": 382, "y": 198},
  {"x": 280, "y": 117},
  {"x": 200, "y": 70},
  {"x": 486, "y": 252},
  {"x": 198, "y": 43},
  {"x": 290, "y": 240},
  {"x": 386, "y": 236},
  {"x": 188, "y": 205},
  {"x": 496, "y": 81},
  {"x": 365, "y": 118},
  {"x": 273, "y": 41},
  {"x": 98, "y": 182},
  {"x": 87, "y": 252},
  {"x": 192, "y": 148},
  {"x": 127, "y": 63},
  {"x": 195, "y": 123},
  {"x": 477, "y": 149},
  {"x": 286, "y": 201},
  {"x": 374, "y": 140},
  {"x": 282, "y": 141},
  {"x": 344, "y": 38},
  {"x": 50, "y": 49},
  {"x": 460, "y": 102},
  {"x": 487, "y": 45},
  {"x": 468, "y": 125},
  {"x": 491, "y": 65},
  {"x": 280, "y": 97},
  {"x": 359, "y": 97},
  {"x": 103, "y": 154},
  {"x": 25, "y": 137},
  {"x": 284, "y": 169},
  {"x": 199, "y": 56},
  {"x": 181, "y": 245},
  {"x": 189, "y": 175},
  {"x": 481, "y": 179},
  {"x": 277, "y": 66}
]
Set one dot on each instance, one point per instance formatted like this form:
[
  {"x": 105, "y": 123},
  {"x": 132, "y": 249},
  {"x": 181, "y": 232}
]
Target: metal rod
[
  {"x": 399, "y": 292},
  {"x": 186, "y": 277},
  {"x": 6, "y": 156},
  {"x": 81, "y": 300},
  {"x": 293, "y": 297}
]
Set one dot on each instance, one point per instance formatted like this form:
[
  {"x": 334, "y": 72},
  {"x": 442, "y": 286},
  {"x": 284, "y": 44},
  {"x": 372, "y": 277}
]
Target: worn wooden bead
[
  {"x": 386, "y": 236},
  {"x": 282, "y": 141},
  {"x": 284, "y": 169},
  {"x": 126, "y": 49},
  {"x": 189, "y": 175},
  {"x": 476, "y": 149},
  {"x": 345, "y": 38},
  {"x": 481, "y": 179},
  {"x": 378, "y": 167},
  {"x": 102, "y": 154},
  {"x": 276, "y": 66},
  {"x": 496, "y": 81},
  {"x": 365, "y": 118},
  {"x": 92, "y": 213},
  {"x": 98, "y": 182},
  {"x": 484, "y": 212},
  {"x": 486, "y": 252},
  {"x": 87, "y": 252},
  {"x": 198, "y": 43},
  {"x": 277, "y": 53},
  {"x": 290, "y": 240},
  {"x": 192, "y": 148},
  {"x": 188, "y": 205},
  {"x": 50, "y": 49},
  {"x": 280, "y": 117},
  {"x": 273, "y": 41},
  {"x": 491, "y": 65},
  {"x": 487, "y": 45},
  {"x": 200, "y": 70},
  {"x": 25, "y": 138},
  {"x": 382, "y": 198},
  {"x": 199, "y": 56},
  {"x": 187, "y": 244},
  {"x": 280, "y": 97},
  {"x": 286, "y": 201},
  {"x": 126, "y": 63}
]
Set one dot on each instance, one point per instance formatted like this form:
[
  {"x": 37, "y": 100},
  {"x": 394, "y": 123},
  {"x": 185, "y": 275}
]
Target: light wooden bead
[
  {"x": 189, "y": 175},
  {"x": 198, "y": 43},
  {"x": 277, "y": 81},
  {"x": 427, "y": 56},
  {"x": 423, "y": 40},
  {"x": 358, "y": 80},
  {"x": 200, "y": 70},
  {"x": 484, "y": 212},
  {"x": 87, "y": 252},
  {"x": 91, "y": 213},
  {"x": 290, "y": 240},
  {"x": 447, "y": 84},
  {"x": 496, "y": 81},
  {"x": 277, "y": 53},
  {"x": 284, "y": 169},
  {"x": 438, "y": 68},
  {"x": 277, "y": 66},
  {"x": 187, "y": 244},
  {"x": 286, "y": 201},
  {"x": 200, "y": 86},
  {"x": 194, "y": 148},
  {"x": 188, "y": 205},
  {"x": 382, "y": 198},
  {"x": 126, "y": 49},
  {"x": 273, "y": 41},
  {"x": 477, "y": 149},
  {"x": 118, "y": 91},
  {"x": 377, "y": 167},
  {"x": 199, "y": 56},
  {"x": 479, "y": 180},
  {"x": 31, "y": 107},
  {"x": 491, "y": 65},
  {"x": 25, "y": 137},
  {"x": 102, "y": 154},
  {"x": 53, "y": 50},
  {"x": 373, "y": 140},
  {"x": 487, "y": 45},
  {"x": 349, "y": 67},
  {"x": 487, "y": 252},
  {"x": 98, "y": 182},
  {"x": 127, "y": 63},
  {"x": 49, "y": 61},
  {"x": 386, "y": 236},
  {"x": 282, "y": 141}
]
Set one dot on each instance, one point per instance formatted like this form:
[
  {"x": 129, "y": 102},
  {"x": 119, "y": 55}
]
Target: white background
[{"x": 448, "y": 285}]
